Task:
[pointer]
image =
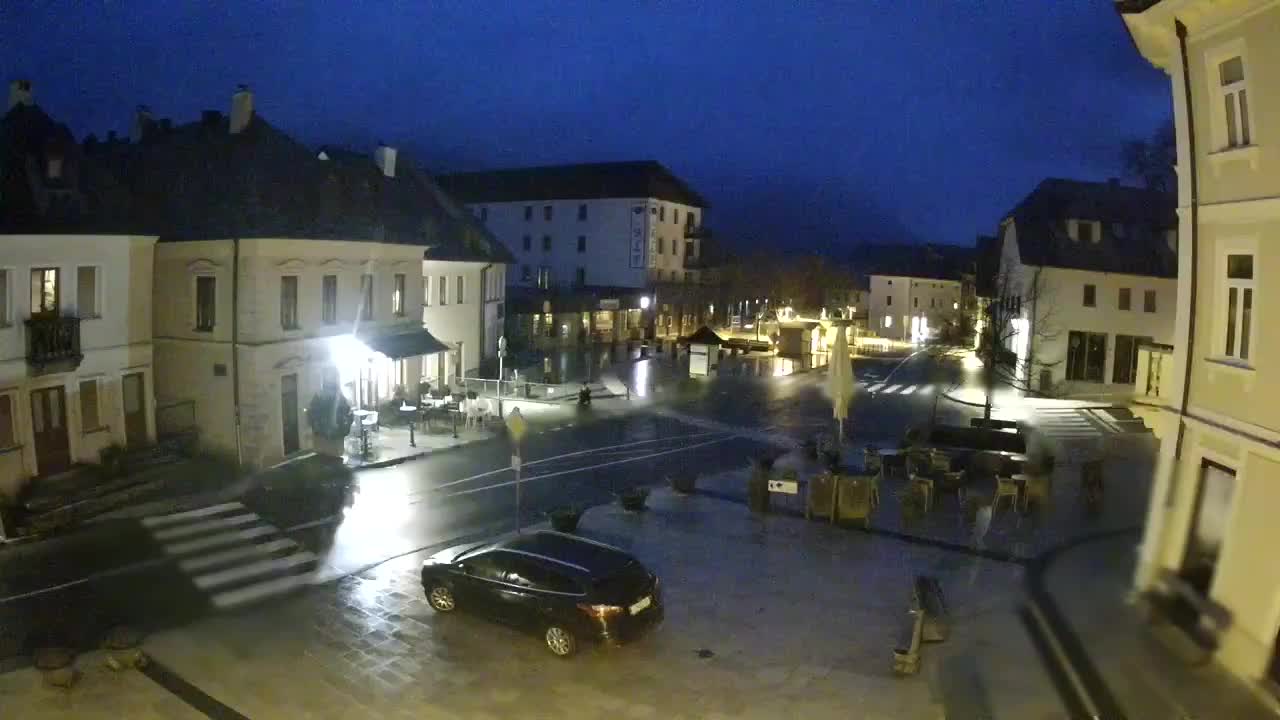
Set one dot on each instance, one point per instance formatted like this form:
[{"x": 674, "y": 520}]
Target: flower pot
[
  {"x": 682, "y": 483},
  {"x": 565, "y": 520}
]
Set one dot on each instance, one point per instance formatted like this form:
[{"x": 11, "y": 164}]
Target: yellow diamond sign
[{"x": 516, "y": 425}]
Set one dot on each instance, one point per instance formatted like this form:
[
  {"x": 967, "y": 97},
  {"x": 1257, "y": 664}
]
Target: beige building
[
  {"x": 75, "y": 307},
  {"x": 912, "y": 309},
  {"x": 1211, "y": 530}
]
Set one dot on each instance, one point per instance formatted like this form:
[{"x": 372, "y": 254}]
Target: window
[
  {"x": 580, "y": 277},
  {"x": 1086, "y": 356},
  {"x": 90, "y": 418},
  {"x": 1125, "y": 298},
  {"x": 1239, "y": 306},
  {"x": 8, "y": 430},
  {"x": 1090, "y": 295},
  {"x": 675, "y": 216},
  {"x": 87, "y": 292},
  {"x": 1126, "y": 358},
  {"x": 546, "y": 243},
  {"x": 931, "y": 302},
  {"x": 329, "y": 299},
  {"x": 5, "y": 304},
  {"x": 582, "y": 243},
  {"x": 487, "y": 566},
  {"x": 1209, "y": 527},
  {"x": 662, "y": 213},
  {"x": 528, "y": 212},
  {"x": 662, "y": 246},
  {"x": 544, "y": 277},
  {"x": 888, "y": 300},
  {"x": 459, "y": 296},
  {"x": 1235, "y": 102},
  {"x": 1149, "y": 301},
  {"x": 582, "y": 211},
  {"x": 689, "y": 250},
  {"x": 1084, "y": 231},
  {"x": 397, "y": 295},
  {"x": 289, "y": 302},
  {"x": 484, "y": 214},
  {"x": 1118, "y": 230},
  {"x": 915, "y": 302},
  {"x": 426, "y": 291},
  {"x": 527, "y": 243},
  {"x": 526, "y": 273},
  {"x": 546, "y": 213},
  {"x": 206, "y": 302},
  {"x": 443, "y": 284},
  {"x": 366, "y": 297},
  {"x": 45, "y": 295}
]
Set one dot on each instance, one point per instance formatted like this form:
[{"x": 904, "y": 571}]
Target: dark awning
[{"x": 406, "y": 344}]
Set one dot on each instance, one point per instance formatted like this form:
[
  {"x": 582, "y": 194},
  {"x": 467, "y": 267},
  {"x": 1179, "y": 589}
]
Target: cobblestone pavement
[
  {"x": 101, "y": 693},
  {"x": 766, "y": 618}
]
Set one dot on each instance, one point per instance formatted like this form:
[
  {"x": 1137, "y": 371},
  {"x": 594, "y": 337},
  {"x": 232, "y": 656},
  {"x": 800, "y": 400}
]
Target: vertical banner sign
[
  {"x": 637, "y": 237},
  {"x": 653, "y": 237}
]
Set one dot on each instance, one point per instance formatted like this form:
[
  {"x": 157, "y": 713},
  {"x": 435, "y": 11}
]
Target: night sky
[{"x": 810, "y": 125}]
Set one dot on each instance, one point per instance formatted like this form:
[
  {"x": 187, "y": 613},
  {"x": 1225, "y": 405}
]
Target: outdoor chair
[
  {"x": 820, "y": 499},
  {"x": 939, "y": 462},
  {"x": 954, "y": 482},
  {"x": 871, "y": 460},
  {"x": 925, "y": 483},
  {"x": 1037, "y": 490},
  {"x": 1005, "y": 488}
]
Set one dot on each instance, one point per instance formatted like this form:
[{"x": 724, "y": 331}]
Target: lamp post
[{"x": 502, "y": 353}]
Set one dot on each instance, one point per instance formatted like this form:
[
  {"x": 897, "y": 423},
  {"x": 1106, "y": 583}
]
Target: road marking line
[
  {"x": 257, "y": 591},
  {"x": 226, "y": 556},
  {"x": 926, "y": 389},
  {"x": 205, "y": 543},
  {"x": 892, "y": 389},
  {"x": 244, "y": 572},
  {"x": 908, "y": 390},
  {"x": 876, "y": 387},
  {"x": 155, "y": 520},
  {"x": 197, "y": 528}
]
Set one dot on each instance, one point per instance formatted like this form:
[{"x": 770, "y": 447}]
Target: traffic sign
[
  {"x": 515, "y": 462},
  {"x": 516, "y": 425}
]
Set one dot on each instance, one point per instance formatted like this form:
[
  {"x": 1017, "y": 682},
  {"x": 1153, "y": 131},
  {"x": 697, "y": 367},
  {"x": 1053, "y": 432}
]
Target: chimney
[
  {"x": 142, "y": 123},
  {"x": 20, "y": 93},
  {"x": 385, "y": 158},
  {"x": 241, "y": 109}
]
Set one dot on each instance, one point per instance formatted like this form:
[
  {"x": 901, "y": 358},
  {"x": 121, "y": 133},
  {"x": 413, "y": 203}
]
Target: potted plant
[
  {"x": 633, "y": 499},
  {"x": 565, "y": 518},
  {"x": 682, "y": 482}
]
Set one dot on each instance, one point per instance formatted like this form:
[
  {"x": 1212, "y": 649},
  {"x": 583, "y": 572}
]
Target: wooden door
[
  {"x": 49, "y": 429},
  {"x": 289, "y": 413},
  {"x": 133, "y": 388}
]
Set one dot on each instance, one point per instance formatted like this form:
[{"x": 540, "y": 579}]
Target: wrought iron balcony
[{"x": 53, "y": 343}]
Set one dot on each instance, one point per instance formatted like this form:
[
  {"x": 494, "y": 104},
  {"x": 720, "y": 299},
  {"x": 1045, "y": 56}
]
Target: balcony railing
[
  {"x": 1154, "y": 379},
  {"x": 692, "y": 232},
  {"x": 53, "y": 339}
]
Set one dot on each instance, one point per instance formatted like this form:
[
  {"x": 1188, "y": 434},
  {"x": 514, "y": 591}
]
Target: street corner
[{"x": 100, "y": 684}]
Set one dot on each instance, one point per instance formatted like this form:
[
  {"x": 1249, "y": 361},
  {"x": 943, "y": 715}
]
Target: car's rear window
[{"x": 629, "y": 579}]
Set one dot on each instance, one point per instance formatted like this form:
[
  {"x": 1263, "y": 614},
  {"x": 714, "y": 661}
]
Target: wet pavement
[{"x": 799, "y": 619}]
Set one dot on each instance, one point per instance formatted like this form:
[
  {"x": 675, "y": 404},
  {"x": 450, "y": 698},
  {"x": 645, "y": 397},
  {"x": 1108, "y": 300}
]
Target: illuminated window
[{"x": 1239, "y": 306}]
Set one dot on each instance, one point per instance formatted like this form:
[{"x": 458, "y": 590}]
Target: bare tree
[{"x": 1150, "y": 161}]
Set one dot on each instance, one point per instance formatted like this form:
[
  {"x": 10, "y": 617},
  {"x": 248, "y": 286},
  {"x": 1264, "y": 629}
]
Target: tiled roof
[
  {"x": 1133, "y": 221},
  {"x": 933, "y": 261},
  {"x": 639, "y": 179}
]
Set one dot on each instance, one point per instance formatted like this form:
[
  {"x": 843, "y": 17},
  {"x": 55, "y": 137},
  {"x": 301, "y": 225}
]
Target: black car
[{"x": 566, "y": 588}]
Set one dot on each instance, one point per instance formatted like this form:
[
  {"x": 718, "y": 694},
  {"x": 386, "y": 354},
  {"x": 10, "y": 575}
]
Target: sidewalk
[
  {"x": 1140, "y": 676},
  {"x": 766, "y": 618},
  {"x": 390, "y": 445}
]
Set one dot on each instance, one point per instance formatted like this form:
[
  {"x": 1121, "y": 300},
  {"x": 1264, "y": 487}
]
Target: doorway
[
  {"x": 133, "y": 387},
  {"x": 289, "y": 413},
  {"x": 49, "y": 428},
  {"x": 1086, "y": 356},
  {"x": 1125, "y": 370},
  {"x": 1208, "y": 525}
]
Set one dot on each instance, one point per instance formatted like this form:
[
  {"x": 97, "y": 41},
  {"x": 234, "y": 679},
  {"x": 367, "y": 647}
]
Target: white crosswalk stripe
[
  {"x": 876, "y": 387},
  {"x": 232, "y": 553},
  {"x": 926, "y": 389},
  {"x": 908, "y": 390},
  {"x": 892, "y": 389}
]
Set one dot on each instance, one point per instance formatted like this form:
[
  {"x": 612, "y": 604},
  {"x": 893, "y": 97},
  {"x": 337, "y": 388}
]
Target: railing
[
  {"x": 53, "y": 339},
  {"x": 1154, "y": 379},
  {"x": 520, "y": 389}
]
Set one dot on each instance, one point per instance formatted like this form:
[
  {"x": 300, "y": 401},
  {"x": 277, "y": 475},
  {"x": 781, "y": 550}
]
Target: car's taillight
[{"x": 600, "y": 612}]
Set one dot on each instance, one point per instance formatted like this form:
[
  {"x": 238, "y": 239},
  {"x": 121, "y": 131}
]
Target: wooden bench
[{"x": 928, "y": 620}]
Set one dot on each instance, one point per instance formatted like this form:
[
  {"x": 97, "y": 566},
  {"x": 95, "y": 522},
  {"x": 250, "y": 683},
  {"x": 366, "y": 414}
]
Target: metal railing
[
  {"x": 520, "y": 389},
  {"x": 52, "y": 338}
]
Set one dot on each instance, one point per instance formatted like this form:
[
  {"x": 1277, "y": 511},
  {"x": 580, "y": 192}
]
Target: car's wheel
[
  {"x": 440, "y": 598},
  {"x": 560, "y": 641}
]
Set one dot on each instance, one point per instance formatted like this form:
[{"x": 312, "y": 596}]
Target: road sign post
[
  {"x": 502, "y": 353},
  {"x": 516, "y": 428}
]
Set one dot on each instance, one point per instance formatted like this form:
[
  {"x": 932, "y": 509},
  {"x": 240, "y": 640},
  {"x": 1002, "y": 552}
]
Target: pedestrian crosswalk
[
  {"x": 231, "y": 554},
  {"x": 1066, "y": 424},
  {"x": 880, "y": 388}
]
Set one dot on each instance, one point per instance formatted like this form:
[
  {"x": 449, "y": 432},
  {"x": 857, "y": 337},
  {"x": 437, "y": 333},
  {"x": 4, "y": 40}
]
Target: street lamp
[{"x": 502, "y": 353}]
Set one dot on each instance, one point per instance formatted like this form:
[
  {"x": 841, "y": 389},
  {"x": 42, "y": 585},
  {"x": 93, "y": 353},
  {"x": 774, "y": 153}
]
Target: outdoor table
[
  {"x": 1020, "y": 480},
  {"x": 366, "y": 421},
  {"x": 891, "y": 457}
]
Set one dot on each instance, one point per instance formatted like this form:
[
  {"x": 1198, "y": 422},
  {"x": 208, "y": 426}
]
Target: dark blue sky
[{"x": 806, "y": 124}]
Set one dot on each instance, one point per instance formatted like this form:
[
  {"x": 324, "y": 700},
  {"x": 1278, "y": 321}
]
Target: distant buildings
[
  {"x": 1087, "y": 271},
  {"x": 912, "y": 308},
  {"x": 602, "y": 250},
  {"x": 1211, "y": 528}
]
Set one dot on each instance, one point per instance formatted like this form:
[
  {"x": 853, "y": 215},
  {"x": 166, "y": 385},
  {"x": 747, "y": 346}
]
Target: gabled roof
[
  {"x": 587, "y": 181},
  {"x": 932, "y": 261},
  {"x": 704, "y": 336},
  {"x": 1133, "y": 221}
]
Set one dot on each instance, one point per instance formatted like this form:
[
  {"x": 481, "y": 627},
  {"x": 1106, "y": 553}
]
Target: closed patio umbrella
[{"x": 840, "y": 380}]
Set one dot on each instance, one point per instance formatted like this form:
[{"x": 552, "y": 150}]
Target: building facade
[
  {"x": 1089, "y": 272},
  {"x": 599, "y": 250},
  {"x": 463, "y": 304},
  {"x": 75, "y": 307},
  {"x": 1211, "y": 525},
  {"x": 912, "y": 309}
]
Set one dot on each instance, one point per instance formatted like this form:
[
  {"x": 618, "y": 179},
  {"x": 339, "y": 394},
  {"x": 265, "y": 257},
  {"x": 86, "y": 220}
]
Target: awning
[{"x": 407, "y": 344}]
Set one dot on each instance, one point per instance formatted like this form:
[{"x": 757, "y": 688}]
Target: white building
[
  {"x": 1089, "y": 270},
  {"x": 625, "y": 224},
  {"x": 913, "y": 309},
  {"x": 282, "y": 273},
  {"x": 75, "y": 307}
]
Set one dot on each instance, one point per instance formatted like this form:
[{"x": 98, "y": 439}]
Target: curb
[{"x": 391, "y": 462}]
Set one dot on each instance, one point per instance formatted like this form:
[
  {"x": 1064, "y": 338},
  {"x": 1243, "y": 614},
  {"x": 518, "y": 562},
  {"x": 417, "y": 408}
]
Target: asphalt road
[{"x": 69, "y": 591}]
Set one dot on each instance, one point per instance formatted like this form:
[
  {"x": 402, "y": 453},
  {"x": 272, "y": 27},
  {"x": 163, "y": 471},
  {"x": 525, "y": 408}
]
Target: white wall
[
  {"x": 608, "y": 231},
  {"x": 115, "y": 342},
  {"x": 911, "y": 297},
  {"x": 474, "y": 322}
]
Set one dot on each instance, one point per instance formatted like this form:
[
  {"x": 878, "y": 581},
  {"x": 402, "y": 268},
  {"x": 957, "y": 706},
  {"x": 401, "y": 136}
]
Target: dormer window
[
  {"x": 1084, "y": 230},
  {"x": 53, "y": 168}
]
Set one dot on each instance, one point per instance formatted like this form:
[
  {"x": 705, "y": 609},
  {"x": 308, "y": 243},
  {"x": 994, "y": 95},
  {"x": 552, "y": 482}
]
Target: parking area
[{"x": 766, "y": 618}]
